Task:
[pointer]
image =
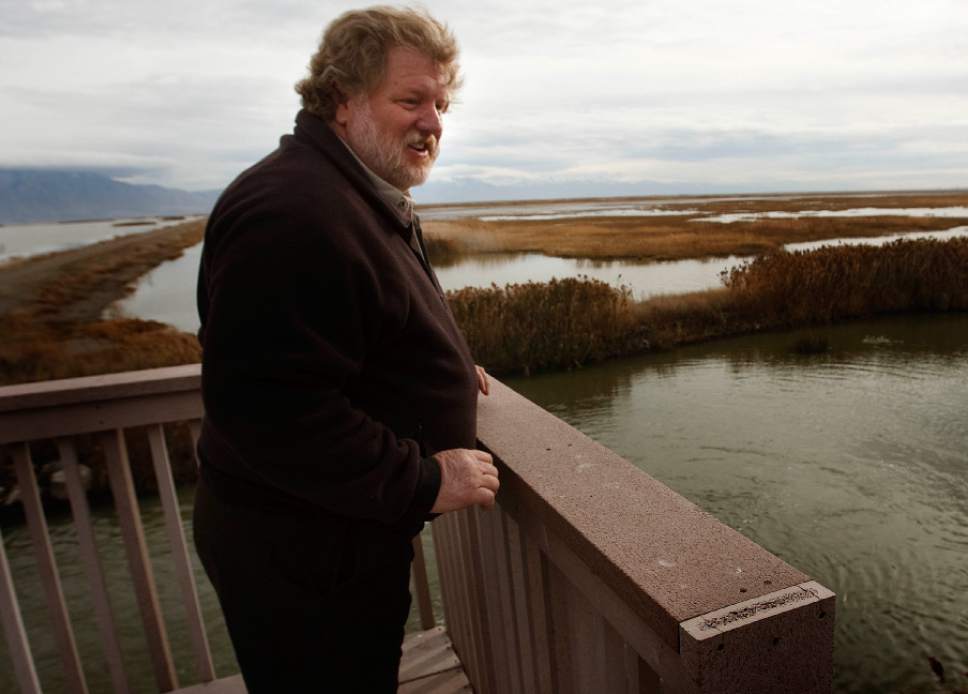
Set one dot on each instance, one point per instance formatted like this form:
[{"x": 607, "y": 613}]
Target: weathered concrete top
[{"x": 668, "y": 559}]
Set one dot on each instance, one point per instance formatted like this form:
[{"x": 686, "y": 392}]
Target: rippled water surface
[{"x": 852, "y": 465}]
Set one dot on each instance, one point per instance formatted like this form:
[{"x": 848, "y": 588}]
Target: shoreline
[
  {"x": 52, "y": 305},
  {"x": 51, "y": 309}
]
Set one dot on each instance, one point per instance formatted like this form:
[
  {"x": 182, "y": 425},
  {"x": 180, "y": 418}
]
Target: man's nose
[{"x": 430, "y": 121}]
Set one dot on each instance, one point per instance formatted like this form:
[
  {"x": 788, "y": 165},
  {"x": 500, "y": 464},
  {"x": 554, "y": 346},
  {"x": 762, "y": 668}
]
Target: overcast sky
[{"x": 747, "y": 95}]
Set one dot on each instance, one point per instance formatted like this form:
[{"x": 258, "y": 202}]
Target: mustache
[{"x": 429, "y": 142}]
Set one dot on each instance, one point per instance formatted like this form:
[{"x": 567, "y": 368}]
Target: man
[{"x": 340, "y": 396}]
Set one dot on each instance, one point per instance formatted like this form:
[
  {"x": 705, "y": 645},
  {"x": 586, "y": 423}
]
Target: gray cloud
[{"x": 746, "y": 94}]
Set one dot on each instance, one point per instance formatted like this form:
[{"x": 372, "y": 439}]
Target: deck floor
[{"x": 429, "y": 666}]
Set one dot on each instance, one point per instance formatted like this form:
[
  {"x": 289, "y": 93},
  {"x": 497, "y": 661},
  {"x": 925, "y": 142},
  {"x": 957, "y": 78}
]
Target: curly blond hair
[{"x": 352, "y": 55}]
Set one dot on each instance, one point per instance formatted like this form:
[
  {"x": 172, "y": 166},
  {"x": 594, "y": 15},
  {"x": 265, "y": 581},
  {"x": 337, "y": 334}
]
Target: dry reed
[
  {"x": 565, "y": 323},
  {"x": 530, "y": 326}
]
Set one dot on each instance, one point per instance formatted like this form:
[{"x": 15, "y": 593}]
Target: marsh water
[
  {"x": 852, "y": 465},
  {"x": 167, "y": 293},
  {"x": 25, "y": 240}
]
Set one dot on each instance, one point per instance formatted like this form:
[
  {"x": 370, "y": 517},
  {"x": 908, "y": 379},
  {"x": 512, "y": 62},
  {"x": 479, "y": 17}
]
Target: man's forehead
[{"x": 408, "y": 67}]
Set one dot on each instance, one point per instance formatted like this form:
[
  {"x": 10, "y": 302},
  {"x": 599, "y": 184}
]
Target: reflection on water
[
  {"x": 953, "y": 233},
  {"x": 577, "y": 214},
  {"x": 644, "y": 279},
  {"x": 167, "y": 294},
  {"x": 852, "y": 465},
  {"x": 24, "y": 240},
  {"x": 853, "y": 212}
]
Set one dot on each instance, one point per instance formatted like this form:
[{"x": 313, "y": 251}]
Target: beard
[{"x": 384, "y": 153}]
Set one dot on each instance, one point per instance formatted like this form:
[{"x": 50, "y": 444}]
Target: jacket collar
[{"x": 313, "y": 130}]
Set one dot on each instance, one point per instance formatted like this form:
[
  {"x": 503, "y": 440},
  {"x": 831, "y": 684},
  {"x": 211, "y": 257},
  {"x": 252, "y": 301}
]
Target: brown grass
[
  {"x": 836, "y": 283},
  {"x": 677, "y": 237},
  {"x": 531, "y": 326},
  {"x": 521, "y": 328}
]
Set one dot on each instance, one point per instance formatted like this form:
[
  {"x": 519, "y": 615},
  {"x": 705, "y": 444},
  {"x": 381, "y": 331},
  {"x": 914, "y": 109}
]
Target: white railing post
[
  {"x": 126, "y": 503},
  {"x": 92, "y": 565},
  {"x": 49, "y": 577},
  {"x": 179, "y": 551},
  {"x": 13, "y": 629}
]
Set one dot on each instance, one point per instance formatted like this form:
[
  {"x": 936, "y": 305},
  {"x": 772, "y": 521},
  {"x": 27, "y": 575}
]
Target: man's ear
[{"x": 341, "y": 116}]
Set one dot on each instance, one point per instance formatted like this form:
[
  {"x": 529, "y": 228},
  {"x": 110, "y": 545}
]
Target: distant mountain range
[{"x": 40, "y": 195}]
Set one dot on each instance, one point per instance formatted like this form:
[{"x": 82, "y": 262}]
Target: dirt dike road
[{"x": 77, "y": 285}]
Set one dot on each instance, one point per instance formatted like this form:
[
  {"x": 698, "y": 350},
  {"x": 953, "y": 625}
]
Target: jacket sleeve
[{"x": 291, "y": 317}]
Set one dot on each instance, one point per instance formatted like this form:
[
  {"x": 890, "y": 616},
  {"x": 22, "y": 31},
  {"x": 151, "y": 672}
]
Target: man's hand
[
  {"x": 481, "y": 379},
  {"x": 467, "y": 478}
]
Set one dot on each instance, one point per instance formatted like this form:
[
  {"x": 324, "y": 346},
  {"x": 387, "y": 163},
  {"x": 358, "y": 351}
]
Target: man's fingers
[
  {"x": 488, "y": 482},
  {"x": 489, "y": 469},
  {"x": 485, "y": 498},
  {"x": 482, "y": 456},
  {"x": 482, "y": 383}
]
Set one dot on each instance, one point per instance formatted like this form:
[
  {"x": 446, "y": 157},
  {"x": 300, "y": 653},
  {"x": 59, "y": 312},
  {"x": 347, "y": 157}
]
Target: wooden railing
[
  {"x": 588, "y": 576},
  {"x": 106, "y": 406}
]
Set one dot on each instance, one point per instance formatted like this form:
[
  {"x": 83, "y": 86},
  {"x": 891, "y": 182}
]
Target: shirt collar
[{"x": 401, "y": 203}]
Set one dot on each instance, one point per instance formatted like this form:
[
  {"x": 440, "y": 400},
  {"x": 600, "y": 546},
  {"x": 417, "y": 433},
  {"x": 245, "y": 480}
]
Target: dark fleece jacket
[{"x": 332, "y": 366}]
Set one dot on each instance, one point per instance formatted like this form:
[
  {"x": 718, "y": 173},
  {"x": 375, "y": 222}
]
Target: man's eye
[{"x": 442, "y": 106}]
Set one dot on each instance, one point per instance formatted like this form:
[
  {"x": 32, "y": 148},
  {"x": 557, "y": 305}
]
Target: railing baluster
[
  {"x": 448, "y": 568},
  {"x": 179, "y": 552},
  {"x": 422, "y": 585},
  {"x": 473, "y": 573},
  {"x": 92, "y": 565},
  {"x": 539, "y": 613},
  {"x": 465, "y": 624},
  {"x": 558, "y": 591},
  {"x": 586, "y": 642},
  {"x": 195, "y": 430},
  {"x": 497, "y": 592},
  {"x": 49, "y": 577},
  {"x": 635, "y": 684},
  {"x": 522, "y": 621},
  {"x": 615, "y": 665},
  {"x": 13, "y": 629},
  {"x": 122, "y": 487},
  {"x": 470, "y": 604}
]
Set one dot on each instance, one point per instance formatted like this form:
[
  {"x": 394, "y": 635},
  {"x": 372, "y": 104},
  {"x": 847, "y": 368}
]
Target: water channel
[
  {"x": 25, "y": 240},
  {"x": 167, "y": 293},
  {"x": 851, "y": 465}
]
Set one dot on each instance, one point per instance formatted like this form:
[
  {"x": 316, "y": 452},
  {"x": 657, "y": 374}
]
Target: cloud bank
[{"x": 747, "y": 95}]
